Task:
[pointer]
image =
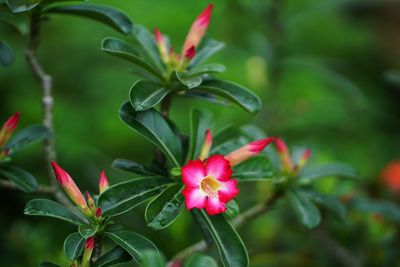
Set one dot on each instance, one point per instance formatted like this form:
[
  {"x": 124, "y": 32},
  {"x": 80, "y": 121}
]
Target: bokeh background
[{"x": 328, "y": 73}]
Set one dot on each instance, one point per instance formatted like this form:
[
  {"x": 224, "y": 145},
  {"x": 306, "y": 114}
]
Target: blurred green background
[{"x": 328, "y": 73}]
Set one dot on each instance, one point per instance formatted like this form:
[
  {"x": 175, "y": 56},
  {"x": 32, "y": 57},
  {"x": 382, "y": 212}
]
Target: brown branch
[{"x": 47, "y": 101}]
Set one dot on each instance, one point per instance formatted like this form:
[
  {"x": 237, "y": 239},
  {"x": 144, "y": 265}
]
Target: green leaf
[
  {"x": 27, "y": 136},
  {"x": 329, "y": 202},
  {"x": 310, "y": 174},
  {"x": 87, "y": 231},
  {"x": 21, "y": 178},
  {"x": 45, "y": 207},
  {"x": 151, "y": 258},
  {"x": 186, "y": 82},
  {"x": 131, "y": 166},
  {"x": 306, "y": 211},
  {"x": 253, "y": 169},
  {"x": 6, "y": 54},
  {"x": 148, "y": 45},
  {"x": 165, "y": 208},
  {"x": 385, "y": 208},
  {"x": 232, "y": 209},
  {"x": 18, "y": 6},
  {"x": 204, "y": 69},
  {"x": 200, "y": 121},
  {"x": 73, "y": 246},
  {"x": 232, "y": 251},
  {"x": 121, "y": 49},
  {"x": 133, "y": 243},
  {"x": 151, "y": 125},
  {"x": 146, "y": 94},
  {"x": 207, "y": 48},
  {"x": 114, "y": 256},
  {"x": 102, "y": 13},
  {"x": 232, "y": 92},
  {"x": 200, "y": 260},
  {"x": 48, "y": 264},
  {"x": 124, "y": 196}
]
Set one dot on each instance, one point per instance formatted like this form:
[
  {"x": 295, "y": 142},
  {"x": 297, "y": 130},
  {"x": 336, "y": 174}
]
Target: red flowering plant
[
  {"x": 93, "y": 225},
  {"x": 9, "y": 144}
]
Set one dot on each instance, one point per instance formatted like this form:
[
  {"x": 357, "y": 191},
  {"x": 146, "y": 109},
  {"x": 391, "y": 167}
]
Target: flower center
[{"x": 210, "y": 186}]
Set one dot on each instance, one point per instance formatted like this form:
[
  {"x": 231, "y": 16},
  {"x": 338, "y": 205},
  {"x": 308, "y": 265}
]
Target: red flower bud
[
  {"x": 89, "y": 243},
  {"x": 284, "y": 155},
  {"x": 205, "y": 150},
  {"x": 190, "y": 53},
  {"x": 8, "y": 128},
  {"x": 247, "y": 151},
  {"x": 98, "y": 212},
  {"x": 390, "y": 176},
  {"x": 162, "y": 45},
  {"x": 103, "y": 182}
]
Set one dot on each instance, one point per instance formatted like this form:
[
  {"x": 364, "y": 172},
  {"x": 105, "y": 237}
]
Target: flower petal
[
  {"x": 228, "y": 190},
  {"x": 215, "y": 206},
  {"x": 218, "y": 167},
  {"x": 194, "y": 198},
  {"x": 193, "y": 173}
]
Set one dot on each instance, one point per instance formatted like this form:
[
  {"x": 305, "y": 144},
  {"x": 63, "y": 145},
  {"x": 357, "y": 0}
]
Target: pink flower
[
  {"x": 198, "y": 28},
  {"x": 208, "y": 184},
  {"x": 8, "y": 128},
  {"x": 247, "y": 151},
  {"x": 103, "y": 182},
  {"x": 70, "y": 188}
]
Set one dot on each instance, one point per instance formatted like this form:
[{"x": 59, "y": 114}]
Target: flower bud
[
  {"x": 70, "y": 188},
  {"x": 90, "y": 201},
  {"x": 190, "y": 53},
  {"x": 198, "y": 29},
  {"x": 303, "y": 159},
  {"x": 8, "y": 128},
  {"x": 87, "y": 252},
  {"x": 103, "y": 182},
  {"x": 205, "y": 150},
  {"x": 284, "y": 155},
  {"x": 162, "y": 45},
  {"x": 251, "y": 149},
  {"x": 98, "y": 212}
]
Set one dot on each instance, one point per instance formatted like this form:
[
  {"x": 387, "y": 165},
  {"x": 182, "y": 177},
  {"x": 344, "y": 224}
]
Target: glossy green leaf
[
  {"x": 329, "y": 202},
  {"x": 204, "y": 69},
  {"x": 151, "y": 125},
  {"x": 205, "y": 96},
  {"x": 200, "y": 260},
  {"x": 207, "y": 48},
  {"x": 164, "y": 209},
  {"x": 148, "y": 45},
  {"x": 232, "y": 251},
  {"x": 102, "y": 13},
  {"x": 310, "y": 174},
  {"x": 114, "y": 256},
  {"x": 385, "y": 208},
  {"x": 87, "y": 231},
  {"x": 146, "y": 94},
  {"x": 6, "y": 54},
  {"x": 124, "y": 196},
  {"x": 48, "y": 264},
  {"x": 121, "y": 49},
  {"x": 21, "y": 178},
  {"x": 253, "y": 169},
  {"x": 27, "y": 136},
  {"x": 45, "y": 207},
  {"x": 186, "y": 82},
  {"x": 131, "y": 166},
  {"x": 200, "y": 121},
  {"x": 133, "y": 243},
  {"x": 232, "y": 209},
  {"x": 18, "y": 6},
  {"x": 306, "y": 211},
  {"x": 73, "y": 246},
  {"x": 232, "y": 92},
  {"x": 151, "y": 258}
]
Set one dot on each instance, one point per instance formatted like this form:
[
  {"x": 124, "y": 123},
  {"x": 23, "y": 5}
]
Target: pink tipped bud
[
  {"x": 70, "y": 188},
  {"x": 89, "y": 243},
  {"x": 245, "y": 152},
  {"x": 198, "y": 28},
  {"x": 90, "y": 201},
  {"x": 303, "y": 160},
  {"x": 205, "y": 150},
  {"x": 8, "y": 128},
  {"x": 190, "y": 53},
  {"x": 103, "y": 183},
  {"x": 98, "y": 212},
  {"x": 162, "y": 45},
  {"x": 284, "y": 155}
]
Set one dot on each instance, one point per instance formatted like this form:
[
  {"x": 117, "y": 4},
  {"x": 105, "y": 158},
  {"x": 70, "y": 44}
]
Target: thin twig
[
  {"x": 47, "y": 101},
  {"x": 42, "y": 189}
]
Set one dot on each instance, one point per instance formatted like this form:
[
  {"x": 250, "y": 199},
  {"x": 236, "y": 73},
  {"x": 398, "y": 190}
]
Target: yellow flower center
[{"x": 209, "y": 185}]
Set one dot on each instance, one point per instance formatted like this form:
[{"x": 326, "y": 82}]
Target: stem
[
  {"x": 240, "y": 220},
  {"x": 165, "y": 106},
  {"x": 47, "y": 100}
]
